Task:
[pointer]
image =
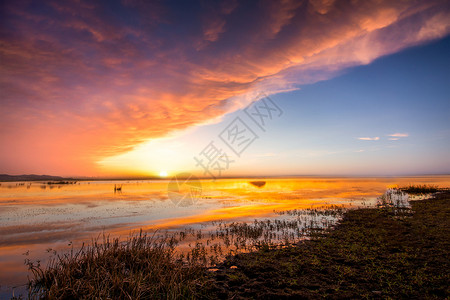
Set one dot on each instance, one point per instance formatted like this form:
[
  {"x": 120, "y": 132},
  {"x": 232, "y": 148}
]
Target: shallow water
[{"x": 37, "y": 218}]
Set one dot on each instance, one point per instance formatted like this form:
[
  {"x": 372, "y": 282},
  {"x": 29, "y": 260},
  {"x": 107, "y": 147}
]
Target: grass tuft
[
  {"x": 421, "y": 189},
  {"x": 142, "y": 267}
]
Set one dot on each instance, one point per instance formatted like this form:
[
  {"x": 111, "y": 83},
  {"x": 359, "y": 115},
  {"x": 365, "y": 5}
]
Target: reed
[
  {"x": 418, "y": 189},
  {"x": 141, "y": 267}
]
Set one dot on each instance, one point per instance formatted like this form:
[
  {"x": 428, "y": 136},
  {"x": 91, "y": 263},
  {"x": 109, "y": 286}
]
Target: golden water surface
[{"x": 36, "y": 217}]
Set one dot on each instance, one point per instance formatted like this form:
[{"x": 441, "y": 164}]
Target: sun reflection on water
[{"x": 36, "y": 217}]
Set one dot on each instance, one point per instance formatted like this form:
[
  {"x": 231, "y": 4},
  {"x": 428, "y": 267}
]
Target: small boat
[
  {"x": 117, "y": 188},
  {"x": 259, "y": 184}
]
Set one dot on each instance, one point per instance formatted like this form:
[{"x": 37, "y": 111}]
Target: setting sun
[{"x": 163, "y": 174}]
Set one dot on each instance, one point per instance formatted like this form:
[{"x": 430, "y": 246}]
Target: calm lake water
[{"x": 36, "y": 217}]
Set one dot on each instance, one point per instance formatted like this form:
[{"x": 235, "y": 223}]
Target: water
[{"x": 37, "y": 219}]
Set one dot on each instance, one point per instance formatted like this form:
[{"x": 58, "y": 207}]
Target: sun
[{"x": 163, "y": 174}]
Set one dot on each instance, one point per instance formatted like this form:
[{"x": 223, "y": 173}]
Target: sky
[{"x": 224, "y": 88}]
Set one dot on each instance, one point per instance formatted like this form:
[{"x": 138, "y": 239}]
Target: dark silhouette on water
[{"x": 259, "y": 184}]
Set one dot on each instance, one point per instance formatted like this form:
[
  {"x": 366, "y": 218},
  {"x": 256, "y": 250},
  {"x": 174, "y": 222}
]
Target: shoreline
[{"x": 372, "y": 252}]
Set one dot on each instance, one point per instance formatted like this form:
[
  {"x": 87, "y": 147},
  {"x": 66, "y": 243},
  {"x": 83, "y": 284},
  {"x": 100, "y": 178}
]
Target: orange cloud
[{"x": 80, "y": 83}]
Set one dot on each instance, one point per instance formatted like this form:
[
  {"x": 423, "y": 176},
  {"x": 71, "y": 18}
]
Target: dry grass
[
  {"x": 142, "y": 267},
  {"x": 153, "y": 267},
  {"x": 421, "y": 189}
]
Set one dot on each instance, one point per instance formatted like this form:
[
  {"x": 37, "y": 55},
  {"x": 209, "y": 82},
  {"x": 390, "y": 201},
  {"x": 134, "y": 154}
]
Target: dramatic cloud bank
[{"x": 83, "y": 80}]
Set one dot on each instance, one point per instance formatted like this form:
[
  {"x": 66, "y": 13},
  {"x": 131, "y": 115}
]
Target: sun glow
[{"x": 158, "y": 157}]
